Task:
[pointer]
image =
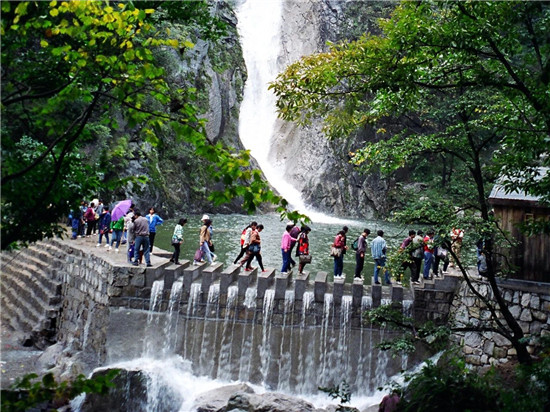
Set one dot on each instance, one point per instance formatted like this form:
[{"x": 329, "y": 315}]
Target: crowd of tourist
[
  {"x": 414, "y": 248},
  {"x": 127, "y": 226}
]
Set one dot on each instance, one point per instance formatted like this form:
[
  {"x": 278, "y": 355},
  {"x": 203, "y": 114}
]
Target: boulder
[
  {"x": 267, "y": 402},
  {"x": 216, "y": 400},
  {"x": 133, "y": 391}
]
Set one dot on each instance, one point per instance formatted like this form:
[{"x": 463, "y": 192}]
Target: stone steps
[
  {"x": 37, "y": 301},
  {"x": 49, "y": 254},
  {"x": 33, "y": 327},
  {"x": 32, "y": 293},
  {"x": 37, "y": 273}
]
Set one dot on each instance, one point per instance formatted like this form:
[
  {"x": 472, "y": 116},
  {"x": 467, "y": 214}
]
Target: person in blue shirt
[
  {"x": 154, "y": 220},
  {"x": 378, "y": 249},
  {"x": 104, "y": 226}
]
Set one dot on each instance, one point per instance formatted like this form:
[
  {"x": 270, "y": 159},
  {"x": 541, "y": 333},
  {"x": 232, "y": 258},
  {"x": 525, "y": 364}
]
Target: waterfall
[
  {"x": 326, "y": 340},
  {"x": 344, "y": 337},
  {"x": 259, "y": 29},
  {"x": 191, "y": 325},
  {"x": 290, "y": 344},
  {"x": 171, "y": 328},
  {"x": 259, "y": 25},
  {"x": 245, "y": 359},
  {"x": 286, "y": 350},
  {"x": 153, "y": 318},
  {"x": 407, "y": 308},
  {"x": 225, "y": 367},
  {"x": 209, "y": 336},
  {"x": 366, "y": 303},
  {"x": 265, "y": 349}
]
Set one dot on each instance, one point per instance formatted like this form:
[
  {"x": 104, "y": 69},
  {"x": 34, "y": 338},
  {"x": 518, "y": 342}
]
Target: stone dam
[{"x": 291, "y": 332}]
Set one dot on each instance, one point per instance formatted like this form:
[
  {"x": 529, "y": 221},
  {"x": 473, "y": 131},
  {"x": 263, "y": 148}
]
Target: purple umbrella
[{"x": 120, "y": 209}]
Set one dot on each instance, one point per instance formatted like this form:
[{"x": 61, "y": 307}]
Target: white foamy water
[{"x": 174, "y": 375}]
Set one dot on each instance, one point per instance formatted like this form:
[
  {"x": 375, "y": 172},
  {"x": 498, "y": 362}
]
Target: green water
[{"x": 227, "y": 235}]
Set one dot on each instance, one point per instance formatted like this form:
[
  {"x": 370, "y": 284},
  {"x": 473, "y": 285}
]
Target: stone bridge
[
  {"x": 51, "y": 287},
  {"x": 64, "y": 291}
]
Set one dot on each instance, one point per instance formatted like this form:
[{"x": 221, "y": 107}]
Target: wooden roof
[{"x": 503, "y": 197}]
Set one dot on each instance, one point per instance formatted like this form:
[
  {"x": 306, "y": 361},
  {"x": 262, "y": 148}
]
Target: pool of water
[{"x": 227, "y": 235}]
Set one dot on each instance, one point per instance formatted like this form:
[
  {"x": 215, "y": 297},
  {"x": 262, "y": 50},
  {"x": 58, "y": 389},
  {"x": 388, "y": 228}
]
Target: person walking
[
  {"x": 360, "y": 253},
  {"x": 338, "y": 248},
  {"x": 104, "y": 226},
  {"x": 129, "y": 234},
  {"x": 205, "y": 238},
  {"x": 117, "y": 228},
  {"x": 457, "y": 235},
  {"x": 417, "y": 255},
  {"x": 285, "y": 248},
  {"x": 406, "y": 249},
  {"x": 245, "y": 240},
  {"x": 141, "y": 232},
  {"x": 89, "y": 216},
  {"x": 211, "y": 242},
  {"x": 303, "y": 248},
  {"x": 378, "y": 250},
  {"x": 428, "y": 252},
  {"x": 177, "y": 239},
  {"x": 83, "y": 221},
  {"x": 440, "y": 254},
  {"x": 154, "y": 220},
  {"x": 294, "y": 233},
  {"x": 75, "y": 222},
  {"x": 254, "y": 249}
]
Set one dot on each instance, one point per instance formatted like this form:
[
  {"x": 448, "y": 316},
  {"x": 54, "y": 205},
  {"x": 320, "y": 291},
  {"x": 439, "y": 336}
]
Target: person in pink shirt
[{"x": 286, "y": 243}]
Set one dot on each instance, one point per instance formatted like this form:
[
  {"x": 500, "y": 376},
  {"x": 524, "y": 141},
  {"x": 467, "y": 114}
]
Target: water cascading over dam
[{"x": 287, "y": 345}]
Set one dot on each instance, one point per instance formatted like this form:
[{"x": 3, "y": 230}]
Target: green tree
[
  {"x": 29, "y": 392},
  {"x": 460, "y": 81},
  {"x": 73, "y": 70}
]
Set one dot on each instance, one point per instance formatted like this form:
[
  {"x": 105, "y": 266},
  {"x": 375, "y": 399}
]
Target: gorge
[{"x": 179, "y": 330}]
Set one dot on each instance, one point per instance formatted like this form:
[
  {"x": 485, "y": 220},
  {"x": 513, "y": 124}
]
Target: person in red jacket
[{"x": 89, "y": 216}]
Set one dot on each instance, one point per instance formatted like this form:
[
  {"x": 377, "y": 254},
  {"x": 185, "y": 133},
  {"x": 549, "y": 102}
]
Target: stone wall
[
  {"x": 529, "y": 303},
  {"x": 89, "y": 284},
  {"x": 433, "y": 301}
]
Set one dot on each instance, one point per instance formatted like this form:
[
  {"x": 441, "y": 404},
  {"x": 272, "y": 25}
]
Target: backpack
[{"x": 355, "y": 244}]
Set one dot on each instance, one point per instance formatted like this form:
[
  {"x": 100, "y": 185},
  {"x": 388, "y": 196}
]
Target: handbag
[
  {"x": 305, "y": 258},
  {"x": 198, "y": 255},
  {"x": 211, "y": 247},
  {"x": 175, "y": 241},
  {"x": 335, "y": 251}
]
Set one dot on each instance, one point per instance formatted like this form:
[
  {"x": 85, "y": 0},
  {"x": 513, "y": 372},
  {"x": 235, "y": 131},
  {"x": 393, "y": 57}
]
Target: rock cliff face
[
  {"x": 177, "y": 181},
  {"x": 317, "y": 167}
]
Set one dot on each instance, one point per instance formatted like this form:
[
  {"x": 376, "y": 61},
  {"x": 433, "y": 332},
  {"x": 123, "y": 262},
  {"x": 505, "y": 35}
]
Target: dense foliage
[
  {"x": 29, "y": 392},
  {"x": 79, "y": 74},
  {"x": 450, "y": 385},
  {"x": 461, "y": 88},
  {"x": 460, "y": 78}
]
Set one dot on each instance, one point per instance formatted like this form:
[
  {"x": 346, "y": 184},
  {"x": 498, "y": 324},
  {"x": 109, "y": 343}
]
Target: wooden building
[{"x": 531, "y": 255}]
